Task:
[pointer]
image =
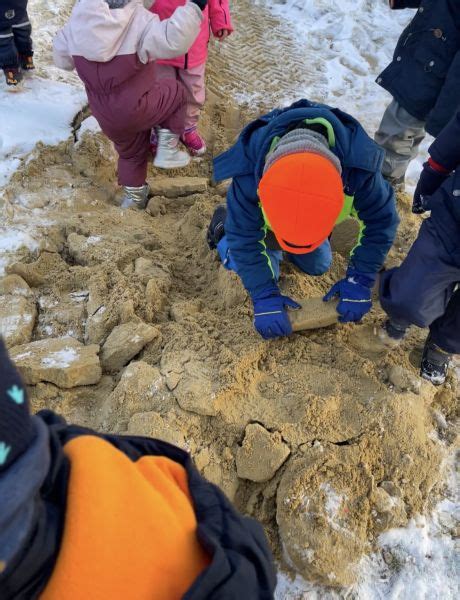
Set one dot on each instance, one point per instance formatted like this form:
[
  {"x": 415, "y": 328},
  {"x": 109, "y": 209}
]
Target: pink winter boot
[{"x": 194, "y": 143}]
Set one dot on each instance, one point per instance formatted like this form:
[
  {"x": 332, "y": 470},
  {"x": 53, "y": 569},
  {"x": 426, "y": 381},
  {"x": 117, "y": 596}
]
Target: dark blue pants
[
  {"x": 15, "y": 33},
  {"x": 422, "y": 291},
  {"x": 312, "y": 263}
]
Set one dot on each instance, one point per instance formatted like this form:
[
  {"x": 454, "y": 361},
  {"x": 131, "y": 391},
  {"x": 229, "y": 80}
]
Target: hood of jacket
[
  {"x": 99, "y": 33},
  {"x": 19, "y": 487},
  {"x": 353, "y": 147}
]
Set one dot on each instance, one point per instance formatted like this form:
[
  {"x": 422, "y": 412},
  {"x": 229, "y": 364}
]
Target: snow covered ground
[
  {"x": 354, "y": 41},
  {"x": 42, "y": 111}
]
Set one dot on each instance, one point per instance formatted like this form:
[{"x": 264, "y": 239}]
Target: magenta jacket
[{"x": 216, "y": 17}]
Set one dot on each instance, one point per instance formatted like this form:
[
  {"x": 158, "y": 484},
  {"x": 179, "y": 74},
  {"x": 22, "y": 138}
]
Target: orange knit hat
[{"x": 302, "y": 197}]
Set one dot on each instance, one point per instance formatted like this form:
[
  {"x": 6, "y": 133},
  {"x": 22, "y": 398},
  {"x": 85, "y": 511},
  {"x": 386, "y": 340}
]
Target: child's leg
[
  {"x": 133, "y": 152},
  {"x": 400, "y": 135},
  {"x": 417, "y": 293},
  {"x": 23, "y": 38},
  {"x": 8, "y": 52},
  {"x": 274, "y": 256},
  {"x": 316, "y": 262},
  {"x": 194, "y": 81},
  {"x": 445, "y": 331},
  {"x": 166, "y": 101}
]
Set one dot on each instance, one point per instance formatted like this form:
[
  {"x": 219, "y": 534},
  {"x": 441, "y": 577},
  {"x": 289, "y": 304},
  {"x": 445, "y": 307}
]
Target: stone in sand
[
  {"x": 174, "y": 187},
  {"x": 15, "y": 286},
  {"x": 17, "y": 319},
  {"x": 63, "y": 361},
  {"x": 124, "y": 343},
  {"x": 261, "y": 454},
  {"x": 314, "y": 314}
]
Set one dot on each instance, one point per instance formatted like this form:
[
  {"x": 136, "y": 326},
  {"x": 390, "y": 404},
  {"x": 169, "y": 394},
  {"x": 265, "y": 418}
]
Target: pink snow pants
[{"x": 194, "y": 81}]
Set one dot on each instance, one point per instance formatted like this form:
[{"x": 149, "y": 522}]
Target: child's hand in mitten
[{"x": 222, "y": 34}]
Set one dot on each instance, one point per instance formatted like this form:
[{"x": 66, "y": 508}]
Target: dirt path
[{"x": 325, "y": 447}]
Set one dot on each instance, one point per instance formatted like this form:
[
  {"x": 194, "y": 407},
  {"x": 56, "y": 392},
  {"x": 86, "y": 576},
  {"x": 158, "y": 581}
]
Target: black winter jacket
[
  {"x": 12, "y": 12},
  {"x": 241, "y": 565},
  {"x": 424, "y": 76},
  {"x": 445, "y": 150}
]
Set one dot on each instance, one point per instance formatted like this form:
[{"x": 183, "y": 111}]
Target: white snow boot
[
  {"x": 168, "y": 155},
  {"x": 135, "y": 196}
]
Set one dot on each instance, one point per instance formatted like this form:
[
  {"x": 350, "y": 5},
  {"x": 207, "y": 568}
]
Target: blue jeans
[{"x": 312, "y": 263}]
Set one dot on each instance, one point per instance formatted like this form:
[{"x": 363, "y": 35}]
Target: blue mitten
[
  {"x": 270, "y": 316},
  {"x": 354, "y": 293}
]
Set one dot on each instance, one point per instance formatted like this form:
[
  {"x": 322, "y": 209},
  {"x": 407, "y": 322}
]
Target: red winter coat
[{"x": 216, "y": 17}]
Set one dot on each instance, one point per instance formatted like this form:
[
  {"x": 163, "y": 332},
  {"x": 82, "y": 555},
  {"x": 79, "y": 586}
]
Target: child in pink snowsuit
[
  {"x": 114, "y": 45},
  {"x": 190, "y": 68}
]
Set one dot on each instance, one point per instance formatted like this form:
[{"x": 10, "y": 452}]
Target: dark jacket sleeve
[
  {"x": 245, "y": 232},
  {"x": 406, "y": 4},
  {"x": 374, "y": 205},
  {"x": 448, "y": 101},
  {"x": 445, "y": 150}
]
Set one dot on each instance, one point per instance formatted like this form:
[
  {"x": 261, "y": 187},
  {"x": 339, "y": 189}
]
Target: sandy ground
[{"x": 325, "y": 446}]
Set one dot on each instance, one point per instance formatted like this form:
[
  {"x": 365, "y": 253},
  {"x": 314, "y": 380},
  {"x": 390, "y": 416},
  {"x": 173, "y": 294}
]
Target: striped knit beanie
[
  {"x": 16, "y": 429},
  {"x": 302, "y": 140}
]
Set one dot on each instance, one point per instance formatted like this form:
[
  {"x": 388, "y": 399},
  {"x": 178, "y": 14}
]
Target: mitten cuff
[{"x": 365, "y": 279}]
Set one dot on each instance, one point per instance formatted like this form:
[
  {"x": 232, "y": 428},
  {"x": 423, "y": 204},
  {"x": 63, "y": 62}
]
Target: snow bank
[{"x": 41, "y": 112}]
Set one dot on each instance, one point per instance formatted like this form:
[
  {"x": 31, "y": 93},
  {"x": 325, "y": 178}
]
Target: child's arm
[
  {"x": 61, "y": 56},
  {"x": 220, "y": 19},
  {"x": 171, "y": 37}
]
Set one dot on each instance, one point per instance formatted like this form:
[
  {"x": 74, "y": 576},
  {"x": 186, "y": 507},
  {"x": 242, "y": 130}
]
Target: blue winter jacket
[
  {"x": 373, "y": 198},
  {"x": 424, "y": 76}
]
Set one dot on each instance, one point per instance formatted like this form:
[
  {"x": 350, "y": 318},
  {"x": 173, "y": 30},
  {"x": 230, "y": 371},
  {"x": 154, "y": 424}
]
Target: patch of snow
[
  {"x": 425, "y": 559},
  {"x": 42, "y": 112},
  {"x": 354, "y": 41},
  {"x": 93, "y": 239},
  {"x": 22, "y": 356},
  {"x": 9, "y": 324},
  {"x": 13, "y": 239},
  {"x": 89, "y": 125},
  {"x": 61, "y": 359}
]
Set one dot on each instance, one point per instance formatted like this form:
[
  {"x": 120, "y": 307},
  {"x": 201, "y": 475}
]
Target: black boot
[
  {"x": 27, "y": 62},
  {"x": 435, "y": 363},
  {"x": 13, "y": 76},
  {"x": 216, "y": 229}
]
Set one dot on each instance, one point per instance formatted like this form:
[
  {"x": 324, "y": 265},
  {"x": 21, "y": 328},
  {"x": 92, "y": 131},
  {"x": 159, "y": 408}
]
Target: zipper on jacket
[{"x": 186, "y": 61}]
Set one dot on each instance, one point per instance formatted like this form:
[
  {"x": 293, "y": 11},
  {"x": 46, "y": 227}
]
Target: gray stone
[
  {"x": 174, "y": 187},
  {"x": 17, "y": 319},
  {"x": 63, "y": 361},
  {"x": 261, "y": 454},
  {"x": 124, "y": 343}
]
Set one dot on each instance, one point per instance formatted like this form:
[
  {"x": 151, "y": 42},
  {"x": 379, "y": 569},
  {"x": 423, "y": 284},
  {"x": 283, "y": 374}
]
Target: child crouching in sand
[
  {"x": 88, "y": 516},
  {"x": 113, "y": 45}
]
